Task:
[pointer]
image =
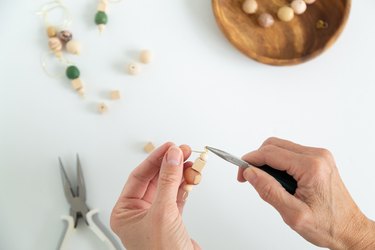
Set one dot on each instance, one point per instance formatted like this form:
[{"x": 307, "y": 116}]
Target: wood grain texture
[{"x": 284, "y": 43}]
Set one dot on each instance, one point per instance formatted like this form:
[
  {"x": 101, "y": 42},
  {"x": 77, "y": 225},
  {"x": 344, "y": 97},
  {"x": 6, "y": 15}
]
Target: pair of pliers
[
  {"x": 286, "y": 180},
  {"x": 79, "y": 209}
]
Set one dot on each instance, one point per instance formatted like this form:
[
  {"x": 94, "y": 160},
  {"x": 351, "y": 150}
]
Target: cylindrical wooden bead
[
  {"x": 145, "y": 56},
  {"x": 102, "y": 7},
  {"x": 54, "y": 44},
  {"x": 250, "y": 6},
  {"x": 187, "y": 188},
  {"x": 133, "y": 69},
  {"x": 192, "y": 177}
]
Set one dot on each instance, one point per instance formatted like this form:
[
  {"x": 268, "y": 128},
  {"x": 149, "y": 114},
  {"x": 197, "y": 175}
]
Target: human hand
[
  {"x": 322, "y": 210},
  {"x": 148, "y": 212}
]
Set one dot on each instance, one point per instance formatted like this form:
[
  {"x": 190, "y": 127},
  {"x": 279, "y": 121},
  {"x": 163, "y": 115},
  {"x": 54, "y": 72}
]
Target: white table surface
[{"x": 199, "y": 90}]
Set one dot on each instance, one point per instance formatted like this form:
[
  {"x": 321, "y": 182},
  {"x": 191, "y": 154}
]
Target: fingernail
[
  {"x": 174, "y": 156},
  {"x": 250, "y": 175}
]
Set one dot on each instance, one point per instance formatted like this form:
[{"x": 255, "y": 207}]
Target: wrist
[{"x": 358, "y": 234}]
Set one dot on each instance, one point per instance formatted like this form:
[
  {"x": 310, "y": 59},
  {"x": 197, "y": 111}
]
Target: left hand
[{"x": 148, "y": 212}]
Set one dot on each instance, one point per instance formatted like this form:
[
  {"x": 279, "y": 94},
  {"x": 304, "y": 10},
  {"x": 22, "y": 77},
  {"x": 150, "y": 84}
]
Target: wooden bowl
[{"x": 284, "y": 43}]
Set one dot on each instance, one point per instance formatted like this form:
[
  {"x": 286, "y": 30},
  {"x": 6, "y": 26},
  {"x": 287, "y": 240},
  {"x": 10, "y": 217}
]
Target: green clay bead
[
  {"x": 101, "y": 18},
  {"x": 72, "y": 72}
]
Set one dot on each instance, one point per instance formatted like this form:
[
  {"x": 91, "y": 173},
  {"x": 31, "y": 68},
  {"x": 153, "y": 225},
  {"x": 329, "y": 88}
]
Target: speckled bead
[
  {"x": 265, "y": 20},
  {"x": 250, "y": 6},
  {"x": 285, "y": 14},
  {"x": 72, "y": 72},
  {"x": 299, "y": 6},
  {"x": 65, "y": 36}
]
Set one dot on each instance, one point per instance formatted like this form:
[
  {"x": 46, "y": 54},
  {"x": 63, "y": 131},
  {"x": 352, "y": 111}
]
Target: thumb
[
  {"x": 271, "y": 191},
  {"x": 170, "y": 176}
]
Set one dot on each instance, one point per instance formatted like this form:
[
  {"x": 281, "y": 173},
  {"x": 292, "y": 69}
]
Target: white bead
[
  {"x": 266, "y": 20},
  {"x": 310, "y": 1},
  {"x": 285, "y": 14},
  {"x": 145, "y": 56},
  {"x": 133, "y": 68},
  {"x": 298, "y": 6},
  {"x": 250, "y": 6},
  {"x": 73, "y": 47}
]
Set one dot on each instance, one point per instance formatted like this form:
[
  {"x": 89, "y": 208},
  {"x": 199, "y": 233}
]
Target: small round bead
[
  {"x": 73, "y": 47},
  {"x": 54, "y": 44},
  {"x": 266, "y": 20},
  {"x": 72, "y": 72},
  {"x": 250, "y": 6},
  {"x": 101, "y": 18},
  {"x": 145, "y": 56},
  {"x": 65, "y": 36},
  {"x": 298, "y": 6},
  {"x": 192, "y": 176},
  {"x": 51, "y": 31},
  {"x": 285, "y": 14},
  {"x": 310, "y": 1},
  {"x": 133, "y": 68}
]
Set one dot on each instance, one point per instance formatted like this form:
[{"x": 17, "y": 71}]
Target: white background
[{"x": 199, "y": 90}]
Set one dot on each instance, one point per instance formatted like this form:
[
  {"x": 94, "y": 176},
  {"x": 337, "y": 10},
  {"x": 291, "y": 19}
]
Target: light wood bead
[
  {"x": 77, "y": 84},
  {"x": 299, "y": 6},
  {"x": 102, "y": 108},
  {"x": 187, "y": 188},
  {"x": 51, "y": 31},
  {"x": 203, "y": 156},
  {"x": 133, "y": 69},
  {"x": 250, "y": 6},
  {"x": 149, "y": 147},
  {"x": 198, "y": 165},
  {"x": 285, "y": 14},
  {"x": 102, "y": 6},
  {"x": 54, "y": 44},
  {"x": 265, "y": 20},
  {"x": 192, "y": 177},
  {"x": 115, "y": 95},
  {"x": 73, "y": 47},
  {"x": 145, "y": 56},
  {"x": 310, "y": 1},
  {"x": 101, "y": 27}
]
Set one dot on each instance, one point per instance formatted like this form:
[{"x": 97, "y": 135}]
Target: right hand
[{"x": 322, "y": 210}]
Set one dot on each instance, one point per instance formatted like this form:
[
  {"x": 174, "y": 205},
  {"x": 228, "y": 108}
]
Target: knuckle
[
  {"x": 114, "y": 221},
  {"x": 270, "y": 140},
  {"x": 324, "y": 153},
  {"x": 268, "y": 194},
  {"x": 298, "y": 221},
  {"x": 267, "y": 148},
  {"x": 166, "y": 178}
]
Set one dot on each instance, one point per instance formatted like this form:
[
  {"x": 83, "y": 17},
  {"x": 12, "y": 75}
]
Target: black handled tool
[{"x": 286, "y": 180}]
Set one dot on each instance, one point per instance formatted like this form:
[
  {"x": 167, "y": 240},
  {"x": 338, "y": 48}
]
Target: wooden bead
[
  {"x": 102, "y": 108},
  {"x": 77, "y": 84},
  {"x": 102, "y": 6},
  {"x": 115, "y": 95},
  {"x": 73, "y": 47},
  {"x": 198, "y": 165},
  {"x": 310, "y": 1},
  {"x": 203, "y": 156},
  {"x": 192, "y": 177},
  {"x": 133, "y": 69},
  {"x": 298, "y": 6},
  {"x": 149, "y": 147},
  {"x": 266, "y": 20},
  {"x": 250, "y": 6},
  {"x": 51, "y": 31},
  {"x": 145, "y": 56},
  {"x": 54, "y": 44},
  {"x": 285, "y": 14}
]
